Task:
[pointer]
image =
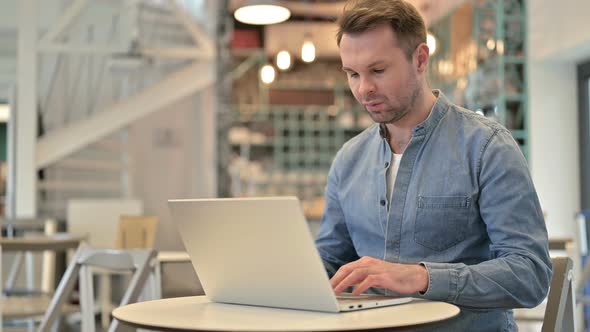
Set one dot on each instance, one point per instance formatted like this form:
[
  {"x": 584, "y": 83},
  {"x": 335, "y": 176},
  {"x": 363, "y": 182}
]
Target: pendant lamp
[{"x": 261, "y": 12}]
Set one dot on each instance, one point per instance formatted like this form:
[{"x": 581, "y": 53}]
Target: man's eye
[
  {"x": 379, "y": 71},
  {"x": 353, "y": 75}
]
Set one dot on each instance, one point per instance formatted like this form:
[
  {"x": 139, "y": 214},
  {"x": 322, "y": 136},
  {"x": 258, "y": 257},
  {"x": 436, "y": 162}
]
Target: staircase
[
  {"x": 100, "y": 170},
  {"x": 99, "y": 74}
]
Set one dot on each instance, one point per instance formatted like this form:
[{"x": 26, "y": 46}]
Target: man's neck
[{"x": 400, "y": 132}]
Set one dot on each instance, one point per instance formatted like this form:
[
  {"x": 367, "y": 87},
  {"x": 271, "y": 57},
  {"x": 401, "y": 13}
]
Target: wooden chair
[
  {"x": 139, "y": 232},
  {"x": 559, "y": 313},
  {"x": 136, "y": 232},
  {"x": 133, "y": 232}
]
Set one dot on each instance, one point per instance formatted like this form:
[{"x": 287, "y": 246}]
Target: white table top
[{"x": 197, "y": 313}]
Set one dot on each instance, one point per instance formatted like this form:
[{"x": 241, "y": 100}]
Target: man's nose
[{"x": 367, "y": 87}]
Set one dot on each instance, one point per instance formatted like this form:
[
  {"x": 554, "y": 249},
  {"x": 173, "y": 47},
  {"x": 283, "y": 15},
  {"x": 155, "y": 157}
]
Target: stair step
[
  {"x": 106, "y": 165},
  {"x": 56, "y": 205},
  {"x": 109, "y": 144},
  {"x": 58, "y": 213},
  {"x": 95, "y": 186},
  {"x": 156, "y": 8},
  {"x": 62, "y": 201}
]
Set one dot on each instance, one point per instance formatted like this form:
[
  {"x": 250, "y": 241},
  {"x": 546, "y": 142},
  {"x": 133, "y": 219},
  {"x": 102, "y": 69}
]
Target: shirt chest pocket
[{"x": 441, "y": 221}]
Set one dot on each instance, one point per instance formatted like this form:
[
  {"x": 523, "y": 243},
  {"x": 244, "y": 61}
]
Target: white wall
[
  {"x": 559, "y": 30},
  {"x": 168, "y": 149},
  {"x": 173, "y": 155},
  {"x": 558, "y": 40},
  {"x": 554, "y": 143}
]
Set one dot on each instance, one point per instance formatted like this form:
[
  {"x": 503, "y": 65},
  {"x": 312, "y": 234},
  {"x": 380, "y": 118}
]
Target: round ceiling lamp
[
  {"x": 284, "y": 60},
  {"x": 431, "y": 42},
  {"x": 308, "y": 51},
  {"x": 267, "y": 74},
  {"x": 261, "y": 12}
]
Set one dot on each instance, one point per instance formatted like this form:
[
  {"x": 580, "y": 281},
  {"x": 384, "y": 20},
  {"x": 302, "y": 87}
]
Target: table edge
[{"x": 176, "y": 329}]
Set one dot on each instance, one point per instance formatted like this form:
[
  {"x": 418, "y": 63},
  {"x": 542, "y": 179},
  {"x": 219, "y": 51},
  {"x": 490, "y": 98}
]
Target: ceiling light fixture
[
  {"x": 261, "y": 12},
  {"x": 308, "y": 49},
  {"x": 283, "y": 60},
  {"x": 431, "y": 43},
  {"x": 267, "y": 74}
]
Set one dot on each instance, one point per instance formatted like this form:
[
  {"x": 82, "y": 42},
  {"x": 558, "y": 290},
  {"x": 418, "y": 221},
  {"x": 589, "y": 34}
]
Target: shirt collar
[{"x": 438, "y": 111}]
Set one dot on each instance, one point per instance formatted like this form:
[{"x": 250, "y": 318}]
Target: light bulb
[
  {"x": 262, "y": 12},
  {"x": 283, "y": 60},
  {"x": 4, "y": 112},
  {"x": 491, "y": 44},
  {"x": 267, "y": 74},
  {"x": 431, "y": 43},
  {"x": 308, "y": 51},
  {"x": 500, "y": 46}
]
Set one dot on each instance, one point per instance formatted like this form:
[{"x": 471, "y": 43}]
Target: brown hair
[{"x": 405, "y": 20}]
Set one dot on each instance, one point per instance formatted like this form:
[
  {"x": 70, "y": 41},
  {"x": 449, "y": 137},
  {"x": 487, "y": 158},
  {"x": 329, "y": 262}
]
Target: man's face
[{"x": 380, "y": 75}]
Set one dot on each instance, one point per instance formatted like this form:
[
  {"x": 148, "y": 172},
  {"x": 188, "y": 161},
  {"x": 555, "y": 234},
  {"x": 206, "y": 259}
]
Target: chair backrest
[
  {"x": 559, "y": 313},
  {"x": 136, "y": 232},
  {"x": 583, "y": 220},
  {"x": 136, "y": 260}
]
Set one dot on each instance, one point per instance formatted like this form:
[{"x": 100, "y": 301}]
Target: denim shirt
[{"x": 464, "y": 206}]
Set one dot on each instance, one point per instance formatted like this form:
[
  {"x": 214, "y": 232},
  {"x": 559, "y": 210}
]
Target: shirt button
[
  {"x": 386, "y": 164},
  {"x": 382, "y": 202}
]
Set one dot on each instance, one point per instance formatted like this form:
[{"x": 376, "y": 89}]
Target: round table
[{"x": 197, "y": 313}]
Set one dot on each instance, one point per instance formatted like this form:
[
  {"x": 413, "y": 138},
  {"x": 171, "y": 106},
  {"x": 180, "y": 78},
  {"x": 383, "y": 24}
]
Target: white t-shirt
[{"x": 392, "y": 175}]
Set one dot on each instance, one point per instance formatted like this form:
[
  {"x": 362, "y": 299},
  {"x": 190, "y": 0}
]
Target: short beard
[{"x": 401, "y": 113}]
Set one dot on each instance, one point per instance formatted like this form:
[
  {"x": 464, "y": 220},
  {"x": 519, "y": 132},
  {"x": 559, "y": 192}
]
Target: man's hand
[{"x": 371, "y": 272}]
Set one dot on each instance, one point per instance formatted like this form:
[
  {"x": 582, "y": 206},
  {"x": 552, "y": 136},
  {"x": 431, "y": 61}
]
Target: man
[{"x": 433, "y": 200}]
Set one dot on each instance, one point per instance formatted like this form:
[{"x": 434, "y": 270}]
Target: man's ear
[{"x": 421, "y": 57}]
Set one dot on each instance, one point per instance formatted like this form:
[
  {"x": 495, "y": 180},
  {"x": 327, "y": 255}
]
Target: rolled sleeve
[{"x": 442, "y": 285}]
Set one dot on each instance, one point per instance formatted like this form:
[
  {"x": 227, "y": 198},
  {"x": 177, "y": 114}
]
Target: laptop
[{"x": 260, "y": 251}]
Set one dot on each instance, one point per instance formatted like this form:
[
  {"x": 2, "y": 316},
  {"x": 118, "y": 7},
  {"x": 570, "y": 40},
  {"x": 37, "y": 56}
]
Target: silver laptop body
[{"x": 259, "y": 251}]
